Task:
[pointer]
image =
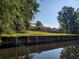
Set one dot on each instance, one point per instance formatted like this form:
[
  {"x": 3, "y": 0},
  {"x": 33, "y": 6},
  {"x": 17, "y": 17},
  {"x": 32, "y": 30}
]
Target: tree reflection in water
[
  {"x": 71, "y": 52},
  {"x": 24, "y": 57}
]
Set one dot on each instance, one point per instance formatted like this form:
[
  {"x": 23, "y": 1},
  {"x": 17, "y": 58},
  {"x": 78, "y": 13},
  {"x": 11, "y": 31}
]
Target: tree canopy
[
  {"x": 15, "y": 15},
  {"x": 38, "y": 23},
  {"x": 68, "y": 19}
]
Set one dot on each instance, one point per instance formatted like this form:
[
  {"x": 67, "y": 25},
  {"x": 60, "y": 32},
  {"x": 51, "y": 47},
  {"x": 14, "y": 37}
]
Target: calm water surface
[{"x": 60, "y": 50}]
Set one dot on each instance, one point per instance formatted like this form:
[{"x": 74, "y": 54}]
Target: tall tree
[
  {"x": 77, "y": 21},
  {"x": 30, "y": 8},
  {"x": 67, "y": 18},
  {"x": 16, "y": 14}
]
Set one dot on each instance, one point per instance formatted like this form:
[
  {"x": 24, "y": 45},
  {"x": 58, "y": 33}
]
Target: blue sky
[{"x": 49, "y": 11}]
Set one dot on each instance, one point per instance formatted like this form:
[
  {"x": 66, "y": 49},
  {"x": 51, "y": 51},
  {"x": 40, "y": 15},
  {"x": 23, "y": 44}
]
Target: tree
[
  {"x": 8, "y": 15},
  {"x": 29, "y": 10},
  {"x": 77, "y": 21},
  {"x": 16, "y": 15},
  {"x": 38, "y": 23},
  {"x": 67, "y": 18}
]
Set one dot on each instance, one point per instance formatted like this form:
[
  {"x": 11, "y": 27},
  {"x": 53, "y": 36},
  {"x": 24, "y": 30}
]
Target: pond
[{"x": 56, "y": 50}]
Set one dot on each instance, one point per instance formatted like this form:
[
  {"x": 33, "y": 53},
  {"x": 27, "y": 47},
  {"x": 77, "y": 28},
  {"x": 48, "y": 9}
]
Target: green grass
[{"x": 36, "y": 33}]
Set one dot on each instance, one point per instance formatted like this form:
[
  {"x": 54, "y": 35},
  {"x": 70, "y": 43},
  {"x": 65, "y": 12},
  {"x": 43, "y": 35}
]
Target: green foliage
[
  {"x": 67, "y": 19},
  {"x": 30, "y": 7},
  {"x": 38, "y": 23},
  {"x": 16, "y": 14}
]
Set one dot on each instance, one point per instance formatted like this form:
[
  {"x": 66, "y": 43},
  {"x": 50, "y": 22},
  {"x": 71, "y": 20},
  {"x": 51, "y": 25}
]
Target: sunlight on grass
[{"x": 36, "y": 33}]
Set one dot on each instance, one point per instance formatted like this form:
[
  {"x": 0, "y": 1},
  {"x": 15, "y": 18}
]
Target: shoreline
[{"x": 31, "y": 40}]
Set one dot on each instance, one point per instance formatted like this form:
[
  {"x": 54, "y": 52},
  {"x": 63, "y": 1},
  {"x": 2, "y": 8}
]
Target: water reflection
[
  {"x": 50, "y": 54},
  {"x": 71, "y": 52},
  {"x": 8, "y": 53},
  {"x": 60, "y": 50}
]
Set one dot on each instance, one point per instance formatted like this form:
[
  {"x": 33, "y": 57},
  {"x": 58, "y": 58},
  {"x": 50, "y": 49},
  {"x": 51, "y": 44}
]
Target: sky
[{"x": 49, "y": 11}]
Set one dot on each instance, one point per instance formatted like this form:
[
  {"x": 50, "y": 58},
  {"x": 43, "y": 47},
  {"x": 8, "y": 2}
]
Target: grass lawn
[{"x": 36, "y": 33}]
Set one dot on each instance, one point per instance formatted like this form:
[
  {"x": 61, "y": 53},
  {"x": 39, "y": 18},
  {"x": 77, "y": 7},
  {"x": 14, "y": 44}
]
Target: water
[
  {"x": 57, "y": 50},
  {"x": 50, "y": 54}
]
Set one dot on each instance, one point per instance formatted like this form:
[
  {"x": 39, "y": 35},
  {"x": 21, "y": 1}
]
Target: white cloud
[{"x": 50, "y": 25}]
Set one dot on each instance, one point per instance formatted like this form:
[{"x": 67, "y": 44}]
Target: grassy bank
[{"x": 36, "y": 33}]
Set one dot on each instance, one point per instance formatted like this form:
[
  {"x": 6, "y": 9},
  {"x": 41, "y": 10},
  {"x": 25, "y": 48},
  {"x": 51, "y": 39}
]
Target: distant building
[{"x": 33, "y": 24}]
